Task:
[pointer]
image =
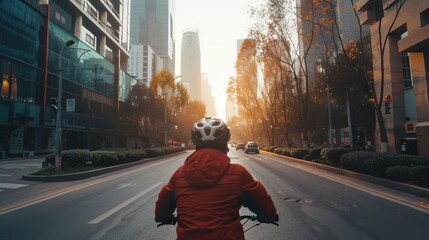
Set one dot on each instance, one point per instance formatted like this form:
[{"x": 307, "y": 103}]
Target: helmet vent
[
  {"x": 207, "y": 131},
  {"x": 198, "y": 134},
  {"x": 215, "y": 124},
  {"x": 217, "y": 133},
  {"x": 200, "y": 125}
]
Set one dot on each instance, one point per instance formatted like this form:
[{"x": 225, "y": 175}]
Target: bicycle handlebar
[
  {"x": 255, "y": 218},
  {"x": 173, "y": 221},
  {"x": 251, "y": 217}
]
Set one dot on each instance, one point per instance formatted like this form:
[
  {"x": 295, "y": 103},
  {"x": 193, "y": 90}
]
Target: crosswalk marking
[{"x": 12, "y": 185}]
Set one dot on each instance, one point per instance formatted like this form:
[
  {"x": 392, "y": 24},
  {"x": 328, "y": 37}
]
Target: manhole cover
[{"x": 295, "y": 200}]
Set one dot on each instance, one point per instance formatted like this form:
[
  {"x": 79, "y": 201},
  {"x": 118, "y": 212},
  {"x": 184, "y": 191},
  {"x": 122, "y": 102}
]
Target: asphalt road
[{"x": 312, "y": 204}]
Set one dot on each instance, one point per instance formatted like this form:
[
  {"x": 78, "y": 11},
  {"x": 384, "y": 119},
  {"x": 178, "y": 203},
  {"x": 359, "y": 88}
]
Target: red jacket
[{"x": 208, "y": 192}]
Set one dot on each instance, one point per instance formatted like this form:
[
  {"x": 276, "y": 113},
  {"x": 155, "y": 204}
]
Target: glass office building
[{"x": 95, "y": 82}]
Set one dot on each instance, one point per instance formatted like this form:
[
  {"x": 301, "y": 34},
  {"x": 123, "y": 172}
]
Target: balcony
[
  {"x": 93, "y": 13},
  {"x": 363, "y": 5},
  {"x": 368, "y": 17}
]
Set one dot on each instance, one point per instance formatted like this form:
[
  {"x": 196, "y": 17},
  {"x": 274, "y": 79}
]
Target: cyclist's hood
[{"x": 205, "y": 167}]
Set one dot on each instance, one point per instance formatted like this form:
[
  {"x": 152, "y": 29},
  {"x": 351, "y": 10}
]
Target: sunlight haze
[{"x": 220, "y": 24}]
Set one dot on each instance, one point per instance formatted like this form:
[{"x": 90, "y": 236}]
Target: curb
[
  {"x": 419, "y": 191},
  {"x": 91, "y": 173}
]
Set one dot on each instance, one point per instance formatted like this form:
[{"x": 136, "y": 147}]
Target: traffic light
[
  {"x": 387, "y": 101},
  {"x": 54, "y": 104},
  {"x": 386, "y": 107}
]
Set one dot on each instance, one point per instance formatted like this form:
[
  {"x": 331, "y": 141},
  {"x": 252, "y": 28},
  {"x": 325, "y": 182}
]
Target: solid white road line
[
  {"x": 12, "y": 185},
  {"x": 122, "y": 205},
  {"x": 5, "y": 175}
]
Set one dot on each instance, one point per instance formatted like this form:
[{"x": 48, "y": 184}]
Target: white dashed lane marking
[{"x": 12, "y": 185}]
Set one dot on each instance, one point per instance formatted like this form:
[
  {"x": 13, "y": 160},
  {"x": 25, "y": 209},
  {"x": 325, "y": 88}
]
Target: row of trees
[
  {"x": 164, "y": 99},
  {"x": 287, "y": 105}
]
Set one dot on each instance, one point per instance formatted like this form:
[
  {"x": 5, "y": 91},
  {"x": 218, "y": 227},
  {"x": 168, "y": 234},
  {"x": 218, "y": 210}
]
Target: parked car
[
  {"x": 239, "y": 146},
  {"x": 251, "y": 147}
]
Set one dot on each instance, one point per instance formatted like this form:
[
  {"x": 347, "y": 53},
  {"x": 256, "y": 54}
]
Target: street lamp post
[
  {"x": 328, "y": 95},
  {"x": 165, "y": 112},
  {"x": 321, "y": 71},
  {"x": 59, "y": 104}
]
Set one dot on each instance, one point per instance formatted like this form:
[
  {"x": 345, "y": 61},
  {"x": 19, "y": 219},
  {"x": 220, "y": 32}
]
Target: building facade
[
  {"x": 191, "y": 63},
  {"x": 143, "y": 63},
  {"x": 406, "y": 69},
  {"x": 207, "y": 96},
  {"x": 94, "y": 74},
  {"x": 152, "y": 23}
]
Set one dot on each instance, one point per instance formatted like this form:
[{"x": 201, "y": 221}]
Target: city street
[{"x": 312, "y": 204}]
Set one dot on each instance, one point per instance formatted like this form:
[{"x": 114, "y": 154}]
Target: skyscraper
[
  {"x": 207, "y": 96},
  {"x": 191, "y": 63},
  {"x": 152, "y": 23}
]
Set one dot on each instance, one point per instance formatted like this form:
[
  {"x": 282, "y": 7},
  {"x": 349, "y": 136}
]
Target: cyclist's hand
[
  {"x": 172, "y": 219},
  {"x": 264, "y": 220}
]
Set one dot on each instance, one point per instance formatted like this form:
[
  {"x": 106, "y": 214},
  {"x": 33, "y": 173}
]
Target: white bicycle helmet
[{"x": 210, "y": 131}]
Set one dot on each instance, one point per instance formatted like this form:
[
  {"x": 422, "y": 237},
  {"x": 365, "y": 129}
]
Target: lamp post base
[{"x": 58, "y": 162}]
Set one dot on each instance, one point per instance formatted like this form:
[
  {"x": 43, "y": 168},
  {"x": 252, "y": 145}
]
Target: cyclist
[{"x": 208, "y": 190}]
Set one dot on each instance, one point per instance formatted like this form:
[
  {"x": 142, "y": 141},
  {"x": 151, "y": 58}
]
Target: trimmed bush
[
  {"x": 104, "y": 158},
  {"x": 313, "y": 154},
  {"x": 286, "y": 152},
  {"x": 334, "y": 155},
  {"x": 298, "y": 153},
  {"x": 75, "y": 158},
  {"x": 378, "y": 164},
  {"x": 271, "y": 149},
  {"x": 420, "y": 175},
  {"x": 354, "y": 161},
  {"x": 135, "y": 155},
  {"x": 278, "y": 150},
  {"x": 398, "y": 173}
]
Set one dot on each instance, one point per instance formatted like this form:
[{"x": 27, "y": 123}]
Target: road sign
[{"x": 70, "y": 105}]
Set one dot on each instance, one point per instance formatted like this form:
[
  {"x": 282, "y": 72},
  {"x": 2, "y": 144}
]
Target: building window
[
  {"x": 406, "y": 70},
  {"x": 424, "y": 17},
  {"x": 90, "y": 39}
]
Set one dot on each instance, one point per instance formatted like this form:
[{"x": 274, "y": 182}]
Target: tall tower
[
  {"x": 191, "y": 63},
  {"x": 152, "y": 23}
]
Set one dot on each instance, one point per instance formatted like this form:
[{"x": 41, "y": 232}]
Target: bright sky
[{"x": 220, "y": 24}]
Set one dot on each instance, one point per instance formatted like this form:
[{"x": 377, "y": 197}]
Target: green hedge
[
  {"x": 298, "y": 153},
  {"x": 104, "y": 158},
  {"x": 313, "y": 154},
  {"x": 355, "y": 161},
  {"x": 378, "y": 164},
  {"x": 333, "y": 155},
  {"x": 420, "y": 175},
  {"x": 71, "y": 158},
  {"x": 398, "y": 173},
  {"x": 80, "y": 157}
]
